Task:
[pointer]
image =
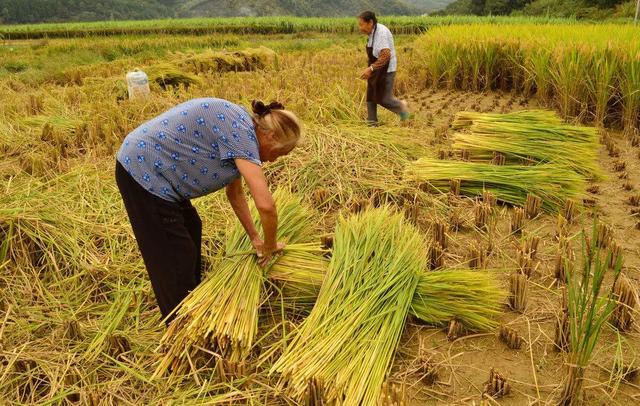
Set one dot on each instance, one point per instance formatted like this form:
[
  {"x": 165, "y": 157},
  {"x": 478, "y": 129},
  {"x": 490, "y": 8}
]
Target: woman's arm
[
  {"x": 235, "y": 195},
  {"x": 257, "y": 183},
  {"x": 383, "y": 59}
]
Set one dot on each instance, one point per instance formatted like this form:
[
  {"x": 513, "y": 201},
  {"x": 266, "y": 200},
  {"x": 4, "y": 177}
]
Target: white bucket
[{"x": 138, "y": 84}]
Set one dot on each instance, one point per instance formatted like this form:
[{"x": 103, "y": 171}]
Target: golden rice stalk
[
  {"x": 455, "y": 187},
  {"x": 482, "y": 213},
  {"x": 532, "y": 206},
  {"x": 477, "y": 257},
  {"x": 497, "y": 386},
  {"x": 489, "y": 198},
  {"x": 626, "y": 304},
  {"x": 604, "y": 235},
  {"x": 517, "y": 220},
  {"x": 570, "y": 210},
  {"x": 436, "y": 256},
  {"x": 519, "y": 292},
  {"x": 510, "y": 337},
  {"x": 440, "y": 233},
  {"x": 472, "y": 297},
  {"x": 562, "y": 226}
]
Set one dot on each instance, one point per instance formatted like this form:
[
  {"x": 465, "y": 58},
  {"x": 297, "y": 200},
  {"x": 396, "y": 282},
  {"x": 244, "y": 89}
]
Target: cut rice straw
[
  {"x": 349, "y": 339},
  {"x": 222, "y": 312},
  {"x": 553, "y": 183}
]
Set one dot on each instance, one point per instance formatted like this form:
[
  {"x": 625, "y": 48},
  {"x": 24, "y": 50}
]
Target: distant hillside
[
  {"x": 429, "y": 6},
  {"x": 34, "y": 11},
  {"x": 594, "y": 9},
  {"x": 222, "y": 8}
]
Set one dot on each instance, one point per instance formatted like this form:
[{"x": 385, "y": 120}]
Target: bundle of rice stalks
[
  {"x": 465, "y": 119},
  {"x": 169, "y": 76},
  {"x": 473, "y": 298},
  {"x": 349, "y": 339},
  {"x": 537, "y": 136},
  {"x": 211, "y": 61},
  {"x": 39, "y": 228},
  {"x": 222, "y": 312},
  {"x": 299, "y": 275},
  {"x": 553, "y": 183}
]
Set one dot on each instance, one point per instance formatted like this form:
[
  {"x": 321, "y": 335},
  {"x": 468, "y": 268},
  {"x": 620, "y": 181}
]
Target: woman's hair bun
[{"x": 261, "y": 110}]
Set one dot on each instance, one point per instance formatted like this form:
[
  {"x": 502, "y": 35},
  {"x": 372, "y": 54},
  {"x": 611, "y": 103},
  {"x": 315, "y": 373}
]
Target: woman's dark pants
[
  {"x": 388, "y": 102},
  {"x": 169, "y": 236}
]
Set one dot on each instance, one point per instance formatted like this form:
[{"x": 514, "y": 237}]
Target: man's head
[
  {"x": 367, "y": 21},
  {"x": 278, "y": 130}
]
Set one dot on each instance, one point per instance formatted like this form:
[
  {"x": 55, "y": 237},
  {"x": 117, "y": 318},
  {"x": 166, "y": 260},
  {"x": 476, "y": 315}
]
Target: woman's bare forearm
[
  {"x": 257, "y": 183},
  {"x": 239, "y": 204},
  {"x": 383, "y": 59}
]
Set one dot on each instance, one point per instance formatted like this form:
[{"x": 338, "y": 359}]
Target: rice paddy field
[{"x": 485, "y": 252}]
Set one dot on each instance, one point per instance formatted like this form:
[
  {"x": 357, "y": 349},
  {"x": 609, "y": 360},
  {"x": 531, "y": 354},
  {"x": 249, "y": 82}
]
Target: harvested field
[{"x": 78, "y": 319}]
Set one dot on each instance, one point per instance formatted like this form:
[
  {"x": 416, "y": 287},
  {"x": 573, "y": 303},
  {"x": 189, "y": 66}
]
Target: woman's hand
[
  {"x": 366, "y": 74},
  {"x": 264, "y": 252},
  {"x": 266, "y": 207}
]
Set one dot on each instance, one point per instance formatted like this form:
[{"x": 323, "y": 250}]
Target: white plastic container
[{"x": 138, "y": 84}]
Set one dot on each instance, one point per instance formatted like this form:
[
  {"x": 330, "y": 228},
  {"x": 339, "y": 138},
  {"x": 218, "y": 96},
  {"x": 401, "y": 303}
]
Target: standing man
[{"x": 381, "y": 72}]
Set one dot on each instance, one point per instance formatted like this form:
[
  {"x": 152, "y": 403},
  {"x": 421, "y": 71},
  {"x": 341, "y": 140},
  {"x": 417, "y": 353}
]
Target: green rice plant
[
  {"x": 253, "y": 25},
  {"x": 602, "y": 83},
  {"x": 348, "y": 341},
  {"x": 590, "y": 305},
  {"x": 570, "y": 64},
  {"x": 553, "y": 183},
  {"x": 222, "y": 312},
  {"x": 630, "y": 91},
  {"x": 578, "y": 69},
  {"x": 528, "y": 136},
  {"x": 536, "y": 66}
]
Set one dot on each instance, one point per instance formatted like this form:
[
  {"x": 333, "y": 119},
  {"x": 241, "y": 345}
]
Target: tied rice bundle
[
  {"x": 467, "y": 118},
  {"x": 349, "y": 339},
  {"x": 553, "y": 183},
  {"x": 221, "y": 314},
  {"x": 299, "y": 275},
  {"x": 472, "y": 297},
  {"x": 535, "y": 136}
]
